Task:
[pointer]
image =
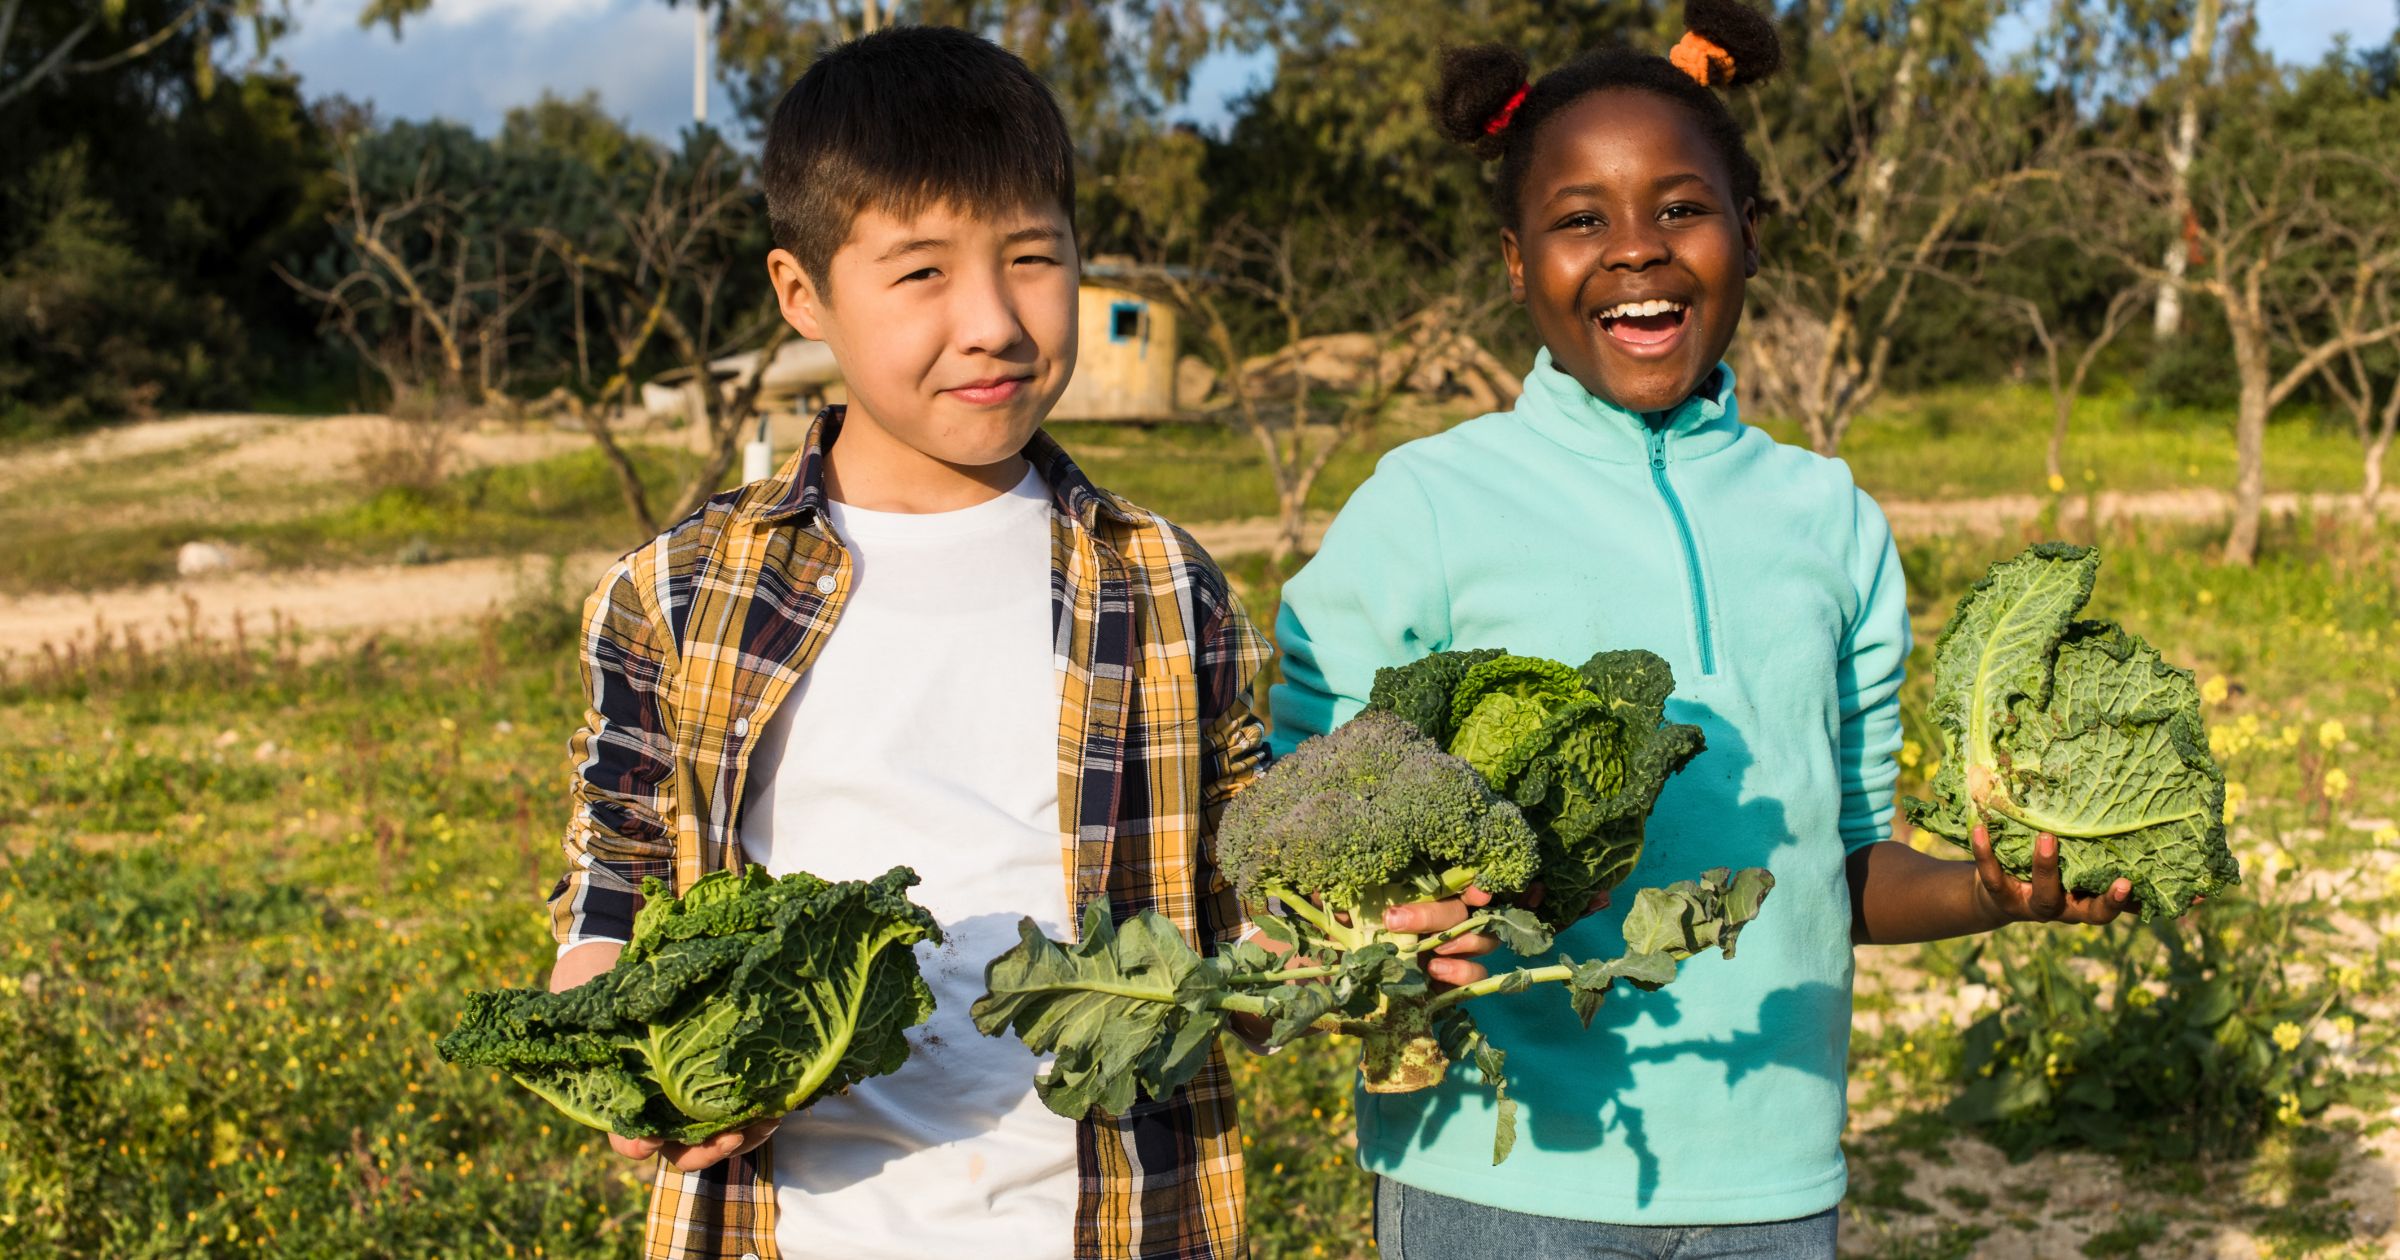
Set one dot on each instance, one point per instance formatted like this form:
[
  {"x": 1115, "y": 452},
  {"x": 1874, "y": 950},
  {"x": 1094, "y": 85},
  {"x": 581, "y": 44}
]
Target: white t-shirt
[{"x": 927, "y": 734}]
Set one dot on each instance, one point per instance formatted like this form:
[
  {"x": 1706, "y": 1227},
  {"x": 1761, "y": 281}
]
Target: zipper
[{"x": 1691, "y": 552}]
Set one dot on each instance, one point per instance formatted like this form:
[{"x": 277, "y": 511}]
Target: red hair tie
[{"x": 1499, "y": 122}]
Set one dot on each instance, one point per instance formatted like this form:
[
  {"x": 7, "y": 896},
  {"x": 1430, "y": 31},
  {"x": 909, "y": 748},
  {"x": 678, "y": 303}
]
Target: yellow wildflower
[
  {"x": 2387, "y": 834},
  {"x": 2337, "y": 784},
  {"x": 2331, "y": 734},
  {"x": 2207, "y": 596},
  {"x": 2058, "y": 484},
  {"x": 2287, "y": 1036},
  {"x": 2216, "y": 689},
  {"x": 2235, "y": 794},
  {"x": 2288, "y": 1110},
  {"x": 2291, "y": 737},
  {"x": 1911, "y": 752}
]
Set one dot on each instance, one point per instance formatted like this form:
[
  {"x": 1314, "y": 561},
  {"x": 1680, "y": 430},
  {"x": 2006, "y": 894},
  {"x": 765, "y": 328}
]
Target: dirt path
[
  {"x": 433, "y": 597},
  {"x": 405, "y": 599}
]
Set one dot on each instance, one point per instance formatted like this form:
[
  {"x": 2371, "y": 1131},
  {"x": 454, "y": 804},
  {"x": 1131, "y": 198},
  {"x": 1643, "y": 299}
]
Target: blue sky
[{"x": 472, "y": 60}]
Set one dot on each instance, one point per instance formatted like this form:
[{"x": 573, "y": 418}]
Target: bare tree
[
  {"x": 426, "y": 297},
  {"x": 1863, "y": 213},
  {"x": 2365, "y": 377},
  {"x": 2278, "y": 235},
  {"x": 1336, "y": 367},
  {"x": 665, "y": 279}
]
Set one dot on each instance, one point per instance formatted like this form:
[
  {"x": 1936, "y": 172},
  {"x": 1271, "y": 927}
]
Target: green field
[{"x": 241, "y": 890}]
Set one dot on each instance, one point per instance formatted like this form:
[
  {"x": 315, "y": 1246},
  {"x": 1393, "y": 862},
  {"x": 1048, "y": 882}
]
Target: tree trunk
[
  {"x": 2250, "y": 357},
  {"x": 1291, "y": 521},
  {"x": 2371, "y": 484},
  {"x": 2054, "y": 457},
  {"x": 2182, "y": 147}
]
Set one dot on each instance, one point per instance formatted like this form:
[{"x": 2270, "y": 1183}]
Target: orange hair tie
[{"x": 1698, "y": 56}]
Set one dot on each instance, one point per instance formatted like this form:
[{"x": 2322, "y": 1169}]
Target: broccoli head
[{"x": 1373, "y": 814}]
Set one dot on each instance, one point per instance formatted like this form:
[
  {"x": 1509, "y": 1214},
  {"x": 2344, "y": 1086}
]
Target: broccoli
[{"x": 1371, "y": 815}]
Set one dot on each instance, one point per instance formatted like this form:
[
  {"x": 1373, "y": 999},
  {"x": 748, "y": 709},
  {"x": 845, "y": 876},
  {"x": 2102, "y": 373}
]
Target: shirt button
[
  {"x": 741, "y": 726},
  {"x": 826, "y": 584},
  {"x": 749, "y": 1255}
]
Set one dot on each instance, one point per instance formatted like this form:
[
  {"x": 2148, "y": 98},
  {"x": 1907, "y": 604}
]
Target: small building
[{"x": 1124, "y": 358}]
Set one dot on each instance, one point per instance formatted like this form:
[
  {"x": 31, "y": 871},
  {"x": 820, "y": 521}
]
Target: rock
[
  {"x": 1195, "y": 380},
  {"x": 213, "y": 556}
]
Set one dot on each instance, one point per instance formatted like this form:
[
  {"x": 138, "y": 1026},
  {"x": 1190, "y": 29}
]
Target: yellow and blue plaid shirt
[{"x": 692, "y": 640}]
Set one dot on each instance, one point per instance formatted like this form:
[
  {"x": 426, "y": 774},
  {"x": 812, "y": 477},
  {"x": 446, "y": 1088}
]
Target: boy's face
[
  {"x": 955, "y": 331},
  {"x": 1626, "y": 202}
]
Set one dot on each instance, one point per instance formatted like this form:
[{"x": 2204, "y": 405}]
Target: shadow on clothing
[{"x": 1744, "y": 830}]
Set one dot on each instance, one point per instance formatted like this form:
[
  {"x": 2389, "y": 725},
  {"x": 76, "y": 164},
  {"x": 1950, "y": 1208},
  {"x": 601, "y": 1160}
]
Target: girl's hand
[
  {"x": 2044, "y": 898},
  {"x": 701, "y": 1154},
  {"x": 1452, "y": 961}
]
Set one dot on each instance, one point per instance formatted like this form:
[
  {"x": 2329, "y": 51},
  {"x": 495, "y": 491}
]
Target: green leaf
[
  {"x": 1126, "y": 1011},
  {"x": 1493, "y": 1065},
  {"x": 1520, "y": 932},
  {"x": 747, "y": 997},
  {"x": 2078, "y": 729}
]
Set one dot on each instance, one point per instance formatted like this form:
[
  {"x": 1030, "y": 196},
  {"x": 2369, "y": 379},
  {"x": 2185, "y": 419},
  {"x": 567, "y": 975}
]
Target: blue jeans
[{"x": 1413, "y": 1224}]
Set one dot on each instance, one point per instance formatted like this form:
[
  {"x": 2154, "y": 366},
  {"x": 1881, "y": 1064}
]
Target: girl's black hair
[{"x": 1477, "y": 84}]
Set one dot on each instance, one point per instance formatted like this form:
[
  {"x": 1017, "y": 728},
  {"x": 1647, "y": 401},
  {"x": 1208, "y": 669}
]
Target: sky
[{"x": 471, "y": 61}]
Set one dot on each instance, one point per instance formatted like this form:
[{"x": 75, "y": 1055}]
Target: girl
[{"x": 1623, "y": 503}]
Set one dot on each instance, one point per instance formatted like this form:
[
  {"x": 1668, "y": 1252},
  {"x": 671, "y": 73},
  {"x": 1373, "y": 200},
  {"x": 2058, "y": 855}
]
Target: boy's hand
[
  {"x": 2044, "y": 898},
  {"x": 1451, "y": 963},
  {"x": 698, "y": 1155}
]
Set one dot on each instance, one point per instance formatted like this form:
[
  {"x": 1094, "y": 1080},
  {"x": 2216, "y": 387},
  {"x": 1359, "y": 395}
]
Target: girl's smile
[{"x": 1632, "y": 253}]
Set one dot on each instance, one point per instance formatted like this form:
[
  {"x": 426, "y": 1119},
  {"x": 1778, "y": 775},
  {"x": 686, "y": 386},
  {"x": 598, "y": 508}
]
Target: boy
[{"x": 929, "y": 639}]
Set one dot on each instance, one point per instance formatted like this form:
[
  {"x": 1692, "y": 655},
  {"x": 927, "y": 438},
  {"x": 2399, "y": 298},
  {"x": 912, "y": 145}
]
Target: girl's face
[{"x": 1630, "y": 251}]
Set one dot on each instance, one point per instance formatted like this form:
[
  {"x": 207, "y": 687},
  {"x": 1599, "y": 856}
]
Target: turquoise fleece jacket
[{"x": 1768, "y": 580}]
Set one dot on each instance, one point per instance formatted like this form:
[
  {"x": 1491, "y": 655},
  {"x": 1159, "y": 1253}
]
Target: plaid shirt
[{"x": 691, "y": 642}]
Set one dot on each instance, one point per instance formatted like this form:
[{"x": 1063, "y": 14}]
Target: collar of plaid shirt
[{"x": 1156, "y": 732}]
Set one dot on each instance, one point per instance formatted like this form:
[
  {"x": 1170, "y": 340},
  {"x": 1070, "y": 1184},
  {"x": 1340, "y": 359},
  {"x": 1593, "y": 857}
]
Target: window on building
[{"x": 1125, "y": 321}]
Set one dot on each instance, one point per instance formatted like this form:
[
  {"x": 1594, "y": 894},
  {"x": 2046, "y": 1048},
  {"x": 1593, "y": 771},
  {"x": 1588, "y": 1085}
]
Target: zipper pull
[{"x": 1658, "y": 450}]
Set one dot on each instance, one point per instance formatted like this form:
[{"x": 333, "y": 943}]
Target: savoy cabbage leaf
[
  {"x": 747, "y": 997},
  {"x": 2076, "y": 728},
  {"x": 1582, "y": 752}
]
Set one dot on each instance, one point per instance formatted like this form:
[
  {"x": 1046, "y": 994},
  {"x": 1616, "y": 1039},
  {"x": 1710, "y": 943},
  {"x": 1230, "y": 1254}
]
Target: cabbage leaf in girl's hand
[{"x": 2078, "y": 729}]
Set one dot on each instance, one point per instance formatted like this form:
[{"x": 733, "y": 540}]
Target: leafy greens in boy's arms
[{"x": 742, "y": 1000}]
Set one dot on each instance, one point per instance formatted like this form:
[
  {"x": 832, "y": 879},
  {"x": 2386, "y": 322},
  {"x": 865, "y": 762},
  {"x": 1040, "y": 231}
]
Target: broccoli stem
[
  {"x": 1439, "y": 939},
  {"x": 1316, "y": 916},
  {"x": 1278, "y": 977},
  {"x": 1493, "y": 984}
]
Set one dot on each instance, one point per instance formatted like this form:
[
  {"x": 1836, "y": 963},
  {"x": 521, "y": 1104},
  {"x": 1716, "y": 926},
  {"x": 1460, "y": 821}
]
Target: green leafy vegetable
[
  {"x": 746, "y": 997},
  {"x": 1372, "y": 815},
  {"x": 1582, "y": 753},
  {"x": 2078, "y": 729}
]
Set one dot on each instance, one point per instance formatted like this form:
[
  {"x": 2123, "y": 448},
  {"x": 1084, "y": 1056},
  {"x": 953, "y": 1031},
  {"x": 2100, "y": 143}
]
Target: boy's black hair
[
  {"x": 1471, "y": 103},
  {"x": 904, "y": 119}
]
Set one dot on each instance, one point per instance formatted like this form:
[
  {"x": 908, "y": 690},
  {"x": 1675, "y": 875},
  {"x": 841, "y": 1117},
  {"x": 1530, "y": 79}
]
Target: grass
[
  {"x": 546, "y": 506},
  {"x": 1964, "y": 441}
]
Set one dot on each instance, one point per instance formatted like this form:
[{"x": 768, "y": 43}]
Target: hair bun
[
  {"x": 1476, "y": 84},
  {"x": 1746, "y": 34}
]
